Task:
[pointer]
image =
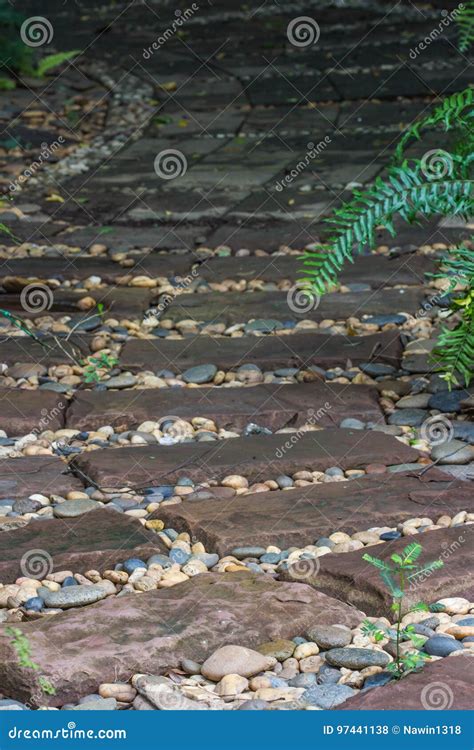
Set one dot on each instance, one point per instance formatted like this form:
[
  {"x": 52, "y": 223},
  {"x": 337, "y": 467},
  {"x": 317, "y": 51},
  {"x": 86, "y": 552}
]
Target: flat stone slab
[
  {"x": 152, "y": 632},
  {"x": 268, "y": 235},
  {"x": 21, "y": 477},
  {"x": 269, "y": 352},
  {"x": 350, "y": 578},
  {"x": 446, "y": 684},
  {"x": 23, "y": 349},
  {"x": 257, "y": 458},
  {"x": 117, "y": 301},
  {"x": 22, "y": 411},
  {"x": 96, "y": 540},
  {"x": 376, "y": 270},
  {"x": 273, "y": 406},
  {"x": 72, "y": 267},
  {"x": 301, "y": 516},
  {"x": 235, "y": 307}
]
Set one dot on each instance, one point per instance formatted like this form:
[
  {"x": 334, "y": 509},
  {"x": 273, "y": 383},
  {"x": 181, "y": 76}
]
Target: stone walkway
[{"x": 194, "y": 458}]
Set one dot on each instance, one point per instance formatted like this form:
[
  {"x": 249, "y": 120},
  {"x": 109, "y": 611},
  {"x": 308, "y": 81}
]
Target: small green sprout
[{"x": 402, "y": 570}]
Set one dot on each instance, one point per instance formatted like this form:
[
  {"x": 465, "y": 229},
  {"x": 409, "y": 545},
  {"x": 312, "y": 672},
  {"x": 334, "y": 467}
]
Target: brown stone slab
[
  {"x": 235, "y": 307},
  {"x": 350, "y": 578},
  {"x": 96, "y": 540},
  {"x": 446, "y": 684},
  {"x": 269, "y": 352},
  {"x": 273, "y": 406},
  {"x": 376, "y": 270},
  {"x": 170, "y": 236},
  {"x": 116, "y": 301},
  {"x": 23, "y": 349},
  {"x": 301, "y": 516},
  {"x": 74, "y": 267},
  {"x": 257, "y": 458},
  {"x": 262, "y": 236},
  {"x": 152, "y": 632},
  {"x": 22, "y": 411},
  {"x": 21, "y": 477}
]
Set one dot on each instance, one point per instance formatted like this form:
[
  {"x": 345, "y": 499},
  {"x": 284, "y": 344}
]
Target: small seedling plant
[
  {"x": 22, "y": 647},
  {"x": 96, "y": 367},
  {"x": 397, "y": 574}
]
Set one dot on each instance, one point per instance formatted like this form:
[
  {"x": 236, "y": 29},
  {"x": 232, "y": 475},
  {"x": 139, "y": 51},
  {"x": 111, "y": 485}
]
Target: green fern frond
[
  {"x": 53, "y": 61},
  {"x": 456, "y": 110},
  {"x": 455, "y": 346},
  {"x": 455, "y": 349},
  {"x": 465, "y": 23},
  {"x": 406, "y": 192},
  {"x": 458, "y": 266}
]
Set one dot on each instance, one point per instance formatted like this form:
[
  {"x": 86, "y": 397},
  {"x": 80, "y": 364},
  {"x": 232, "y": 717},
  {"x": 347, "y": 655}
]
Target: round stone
[
  {"x": 469, "y": 621},
  {"x": 35, "y": 604},
  {"x": 375, "y": 369},
  {"x": 383, "y": 320},
  {"x": 377, "y": 680},
  {"x": 254, "y": 705},
  {"x": 330, "y": 636},
  {"x": 74, "y": 508},
  {"x": 208, "y": 558},
  {"x": 242, "y": 552},
  {"x": 284, "y": 481},
  {"x": 69, "y": 581},
  {"x": 441, "y": 645},
  {"x": 357, "y": 658},
  {"x": 132, "y": 564},
  {"x": 73, "y": 596},
  {"x": 326, "y": 696},
  {"x": 280, "y": 649},
  {"x": 389, "y": 536},
  {"x": 408, "y": 417},
  {"x": 453, "y": 452},
  {"x": 158, "y": 559},
  {"x": 263, "y": 325},
  {"x": 179, "y": 556},
  {"x": 304, "y": 680},
  {"x": 352, "y": 424},
  {"x": 448, "y": 401},
  {"x": 235, "y": 660},
  {"x": 124, "y": 380},
  {"x": 200, "y": 374}
]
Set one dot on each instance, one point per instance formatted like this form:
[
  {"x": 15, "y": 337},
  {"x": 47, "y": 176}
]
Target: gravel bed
[
  {"x": 317, "y": 670},
  {"x": 30, "y": 598}
]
